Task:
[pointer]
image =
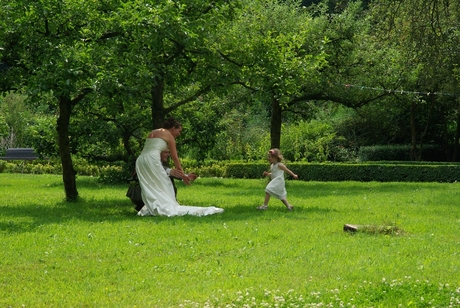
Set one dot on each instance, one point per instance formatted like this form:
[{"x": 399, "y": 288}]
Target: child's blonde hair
[{"x": 276, "y": 153}]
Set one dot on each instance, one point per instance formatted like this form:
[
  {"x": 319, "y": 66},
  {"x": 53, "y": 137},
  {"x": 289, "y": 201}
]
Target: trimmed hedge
[
  {"x": 245, "y": 170},
  {"x": 364, "y": 172}
]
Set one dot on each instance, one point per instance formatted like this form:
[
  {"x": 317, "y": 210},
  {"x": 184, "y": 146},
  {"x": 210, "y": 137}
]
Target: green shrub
[
  {"x": 45, "y": 168},
  {"x": 245, "y": 170},
  {"x": 83, "y": 167},
  {"x": 215, "y": 170},
  {"x": 112, "y": 175},
  {"x": 399, "y": 153},
  {"x": 310, "y": 141},
  {"x": 188, "y": 163},
  {"x": 364, "y": 172},
  {"x": 378, "y": 172},
  {"x": 18, "y": 167},
  {"x": 370, "y": 171}
]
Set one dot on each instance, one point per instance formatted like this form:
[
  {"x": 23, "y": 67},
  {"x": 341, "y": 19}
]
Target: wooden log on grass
[
  {"x": 371, "y": 229},
  {"x": 350, "y": 227}
]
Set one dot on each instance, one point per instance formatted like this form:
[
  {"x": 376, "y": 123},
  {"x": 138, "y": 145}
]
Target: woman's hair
[
  {"x": 171, "y": 123},
  {"x": 276, "y": 153}
]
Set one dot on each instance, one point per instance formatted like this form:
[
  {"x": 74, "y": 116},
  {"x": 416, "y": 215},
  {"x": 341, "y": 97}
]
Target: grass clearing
[{"x": 98, "y": 253}]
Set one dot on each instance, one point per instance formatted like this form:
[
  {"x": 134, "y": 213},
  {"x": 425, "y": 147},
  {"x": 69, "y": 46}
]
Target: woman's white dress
[
  {"x": 277, "y": 186},
  {"x": 157, "y": 189}
]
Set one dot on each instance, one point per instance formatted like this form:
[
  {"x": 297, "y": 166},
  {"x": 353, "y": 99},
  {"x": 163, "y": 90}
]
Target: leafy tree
[
  {"x": 425, "y": 34},
  {"x": 4, "y": 132},
  {"x": 48, "y": 45},
  {"x": 241, "y": 122},
  {"x": 166, "y": 57},
  {"x": 310, "y": 56},
  {"x": 266, "y": 47},
  {"x": 310, "y": 141},
  {"x": 156, "y": 64},
  {"x": 201, "y": 122},
  {"x": 43, "y": 135},
  {"x": 17, "y": 116}
]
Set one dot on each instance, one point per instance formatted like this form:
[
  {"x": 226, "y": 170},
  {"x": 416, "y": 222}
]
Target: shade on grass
[{"x": 97, "y": 252}]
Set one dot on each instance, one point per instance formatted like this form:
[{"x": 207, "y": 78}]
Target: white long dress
[
  {"x": 277, "y": 186},
  {"x": 157, "y": 189}
]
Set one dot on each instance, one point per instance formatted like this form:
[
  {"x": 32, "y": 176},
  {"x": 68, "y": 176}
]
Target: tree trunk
[
  {"x": 275, "y": 124},
  {"x": 413, "y": 131},
  {"x": 158, "y": 110},
  {"x": 131, "y": 159},
  {"x": 68, "y": 173},
  {"x": 457, "y": 138},
  {"x": 427, "y": 126}
]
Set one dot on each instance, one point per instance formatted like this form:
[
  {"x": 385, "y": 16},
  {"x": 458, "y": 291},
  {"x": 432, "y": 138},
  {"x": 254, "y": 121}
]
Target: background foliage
[{"x": 330, "y": 80}]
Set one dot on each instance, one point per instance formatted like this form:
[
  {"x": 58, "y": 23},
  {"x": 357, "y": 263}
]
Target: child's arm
[
  {"x": 268, "y": 173},
  {"x": 285, "y": 169}
]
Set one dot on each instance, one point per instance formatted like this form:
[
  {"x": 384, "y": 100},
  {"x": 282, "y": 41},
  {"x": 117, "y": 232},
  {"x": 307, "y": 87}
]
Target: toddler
[{"x": 276, "y": 187}]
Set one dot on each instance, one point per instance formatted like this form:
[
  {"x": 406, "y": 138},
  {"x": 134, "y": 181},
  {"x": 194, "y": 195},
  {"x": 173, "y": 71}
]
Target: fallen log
[{"x": 371, "y": 229}]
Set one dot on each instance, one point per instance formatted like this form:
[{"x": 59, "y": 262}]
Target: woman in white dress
[
  {"x": 276, "y": 187},
  {"x": 157, "y": 189}
]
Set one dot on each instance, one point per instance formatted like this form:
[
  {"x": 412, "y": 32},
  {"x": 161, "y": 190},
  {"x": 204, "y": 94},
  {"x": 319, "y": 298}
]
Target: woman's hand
[{"x": 176, "y": 173}]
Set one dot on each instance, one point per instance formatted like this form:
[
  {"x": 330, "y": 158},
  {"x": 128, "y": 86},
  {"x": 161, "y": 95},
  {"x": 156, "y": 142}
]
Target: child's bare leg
[
  {"x": 266, "y": 200},
  {"x": 286, "y": 203}
]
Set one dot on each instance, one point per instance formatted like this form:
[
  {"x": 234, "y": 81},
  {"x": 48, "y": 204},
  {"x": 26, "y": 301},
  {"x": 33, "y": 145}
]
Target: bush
[
  {"x": 310, "y": 141},
  {"x": 112, "y": 175},
  {"x": 378, "y": 172},
  {"x": 399, "y": 153},
  {"x": 83, "y": 167},
  {"x": 394, "y": 172},
  {"x": 2, "y": 166},
  {"x": 371, "y": 171},
  {"x": 215, "y": 170},
  {"x": 245, "y": 170}
]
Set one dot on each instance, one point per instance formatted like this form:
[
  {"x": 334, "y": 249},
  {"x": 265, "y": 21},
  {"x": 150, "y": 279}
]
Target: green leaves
[{"x": 267, "y": 41}]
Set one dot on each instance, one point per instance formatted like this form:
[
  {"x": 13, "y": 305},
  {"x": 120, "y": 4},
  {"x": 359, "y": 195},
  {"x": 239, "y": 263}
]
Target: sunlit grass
[{"x": 98, "y": 253}]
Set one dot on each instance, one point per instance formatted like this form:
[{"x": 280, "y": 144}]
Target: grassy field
[{"x": 98, "y": 253}]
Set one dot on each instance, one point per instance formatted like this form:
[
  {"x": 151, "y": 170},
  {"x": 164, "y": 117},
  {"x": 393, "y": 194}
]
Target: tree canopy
[{"x": 380, "y": 72}]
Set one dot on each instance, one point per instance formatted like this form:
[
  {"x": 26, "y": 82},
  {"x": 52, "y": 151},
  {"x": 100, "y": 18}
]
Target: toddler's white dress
[{"x": 277, "y": 186}]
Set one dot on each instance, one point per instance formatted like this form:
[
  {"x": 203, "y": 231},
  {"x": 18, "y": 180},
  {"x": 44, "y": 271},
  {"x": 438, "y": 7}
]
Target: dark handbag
[{"x": 135, "y": 193}]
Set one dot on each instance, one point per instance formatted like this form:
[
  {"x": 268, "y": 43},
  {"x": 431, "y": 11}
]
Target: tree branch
[
  {"x": 197, "y": 94},
  {"x": 80, "y": 96}
]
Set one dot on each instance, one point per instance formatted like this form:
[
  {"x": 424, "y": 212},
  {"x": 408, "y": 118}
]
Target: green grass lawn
[{"x": 98, "y": 253}]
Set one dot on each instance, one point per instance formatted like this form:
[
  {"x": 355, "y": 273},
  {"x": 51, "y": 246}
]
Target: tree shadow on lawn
[
  {"x": 314, "y": 189},
  {"x": 28, "y": 218},
  {"x": 277, "y": 209},
  {"x": 352, "y": 188}
]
